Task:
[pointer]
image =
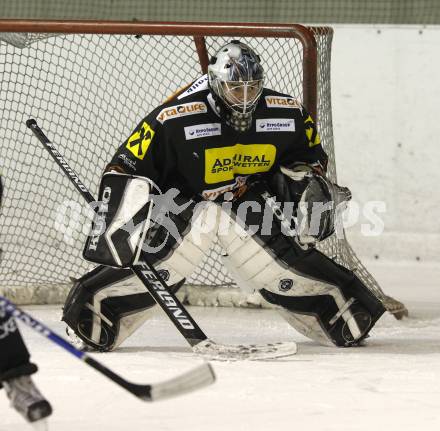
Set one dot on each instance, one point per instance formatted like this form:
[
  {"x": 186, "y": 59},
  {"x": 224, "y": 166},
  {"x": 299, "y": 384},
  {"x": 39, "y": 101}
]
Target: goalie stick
[
  {"x": 196, "y": 378},
  {"x": 166, "y": 299}
]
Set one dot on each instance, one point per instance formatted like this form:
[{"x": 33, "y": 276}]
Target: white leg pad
[{"x": 253, "y": 267}]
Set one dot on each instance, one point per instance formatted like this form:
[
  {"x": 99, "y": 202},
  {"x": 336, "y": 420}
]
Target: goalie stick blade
[
  {"x": 251, "y": 352},
  {"x": 192, "y": 380}
]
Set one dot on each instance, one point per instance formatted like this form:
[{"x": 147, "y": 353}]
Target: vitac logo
[
  {"x": 282, "y": 102},
  {"x": 140, "y": 140},
  {"x": 181, "y": 111},
  {"x": 222, "y": 164}
]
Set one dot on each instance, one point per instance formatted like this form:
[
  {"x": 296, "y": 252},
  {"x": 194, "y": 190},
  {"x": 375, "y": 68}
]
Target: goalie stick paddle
[
  {"x": 161, "y": 293},
  {"x": 196, "y": 378}
]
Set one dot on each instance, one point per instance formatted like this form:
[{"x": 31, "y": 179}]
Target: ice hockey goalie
[{"x": 230, "y": 158}]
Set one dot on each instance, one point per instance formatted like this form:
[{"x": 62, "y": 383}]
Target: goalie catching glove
[
  {"x": 121, "y": 220},
  {"x": 318, "y": 201}
]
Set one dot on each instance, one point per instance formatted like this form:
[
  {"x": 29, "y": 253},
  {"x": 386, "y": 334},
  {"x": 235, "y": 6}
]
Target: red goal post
[{"x": 88, "y": 83}]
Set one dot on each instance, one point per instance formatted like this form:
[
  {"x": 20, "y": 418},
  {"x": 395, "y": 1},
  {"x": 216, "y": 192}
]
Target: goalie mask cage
[{"x": 88, "y": 84}]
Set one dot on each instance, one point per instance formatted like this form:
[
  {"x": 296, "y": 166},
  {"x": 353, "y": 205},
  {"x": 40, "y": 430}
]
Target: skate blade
[{"x": 41, "y": 425}]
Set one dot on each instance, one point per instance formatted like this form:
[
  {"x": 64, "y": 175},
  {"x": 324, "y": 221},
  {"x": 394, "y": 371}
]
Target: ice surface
[{"x": 393, "y": 383}]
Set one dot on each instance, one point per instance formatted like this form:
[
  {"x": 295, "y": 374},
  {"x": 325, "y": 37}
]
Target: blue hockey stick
[{"x": 187, "y": 382}]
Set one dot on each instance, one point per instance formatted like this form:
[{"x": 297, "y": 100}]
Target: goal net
[{"x": 88, "y": 84}]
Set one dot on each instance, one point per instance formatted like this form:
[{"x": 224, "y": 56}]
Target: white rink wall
[{"x": 385, "y": 96}]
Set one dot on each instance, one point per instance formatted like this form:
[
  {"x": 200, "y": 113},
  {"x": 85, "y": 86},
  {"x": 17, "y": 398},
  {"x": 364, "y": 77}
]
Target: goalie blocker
[
  {"x": 121, "y": 220},
  {"x": 321, "y": 299}
]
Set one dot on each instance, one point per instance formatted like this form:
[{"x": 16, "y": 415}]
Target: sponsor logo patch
[
  {"x": 7, "y": 327},
  {"x": 181, "y": 111},
  {"x": 222, "y": 164},
  {"x": 282, "y": 102},
  {"x": 311, "y": 132},
  {"x": 236, "y": 187},
  {"x": 285, "y": 284},
  {"x": 202, "y": 131},
  {"x": 198, "y": 85},
  {"x": 275, "y": 125},
  {"x": 127, "y": 161},
  {"x": 140, "y": 140}
]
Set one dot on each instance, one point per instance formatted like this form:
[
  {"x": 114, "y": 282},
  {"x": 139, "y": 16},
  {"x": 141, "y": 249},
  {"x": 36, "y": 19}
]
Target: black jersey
[{"x": 184, "y": 143}]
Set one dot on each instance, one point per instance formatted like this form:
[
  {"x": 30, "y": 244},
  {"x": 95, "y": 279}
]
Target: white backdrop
[{"x": 385, "y": 95}]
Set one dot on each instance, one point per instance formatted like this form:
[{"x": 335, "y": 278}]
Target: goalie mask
[{"x": 236, "y": 78}]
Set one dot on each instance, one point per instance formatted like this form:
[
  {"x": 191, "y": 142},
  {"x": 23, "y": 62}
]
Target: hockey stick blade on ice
[
  {"x": 196, "y": 378},
  {"x": 161, "y": 293}
]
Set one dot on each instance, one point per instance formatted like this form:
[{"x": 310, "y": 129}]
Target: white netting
[{"x": 87, "y": 92}]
